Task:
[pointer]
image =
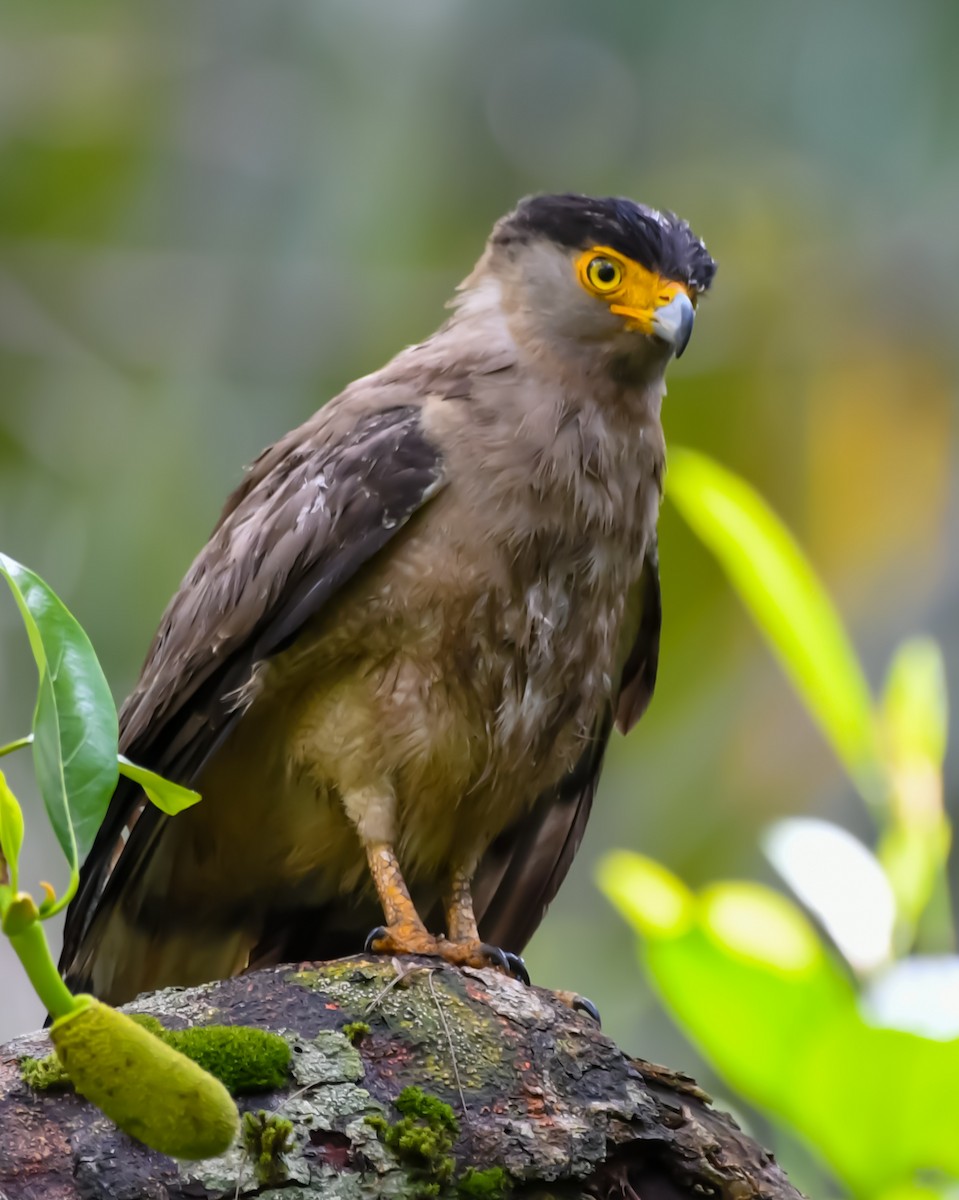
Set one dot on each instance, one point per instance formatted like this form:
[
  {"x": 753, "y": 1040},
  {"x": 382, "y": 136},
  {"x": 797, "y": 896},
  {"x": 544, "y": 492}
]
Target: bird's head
[{"x": 598, "y": 273}]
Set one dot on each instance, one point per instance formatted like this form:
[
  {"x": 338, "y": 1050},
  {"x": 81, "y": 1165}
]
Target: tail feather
[{"x": 123, "y": 960}]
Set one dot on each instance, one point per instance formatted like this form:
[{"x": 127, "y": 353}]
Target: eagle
[{"x": 393, "y": 670}]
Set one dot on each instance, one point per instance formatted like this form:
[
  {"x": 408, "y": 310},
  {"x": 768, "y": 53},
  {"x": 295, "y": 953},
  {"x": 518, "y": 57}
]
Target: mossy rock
[{"x": 434, "y": 1082}]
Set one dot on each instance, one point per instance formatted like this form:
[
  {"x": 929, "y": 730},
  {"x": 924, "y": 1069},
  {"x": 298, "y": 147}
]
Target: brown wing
[
  {"x": 525, "y": 866},
  {"x": 316, "y": 507}
]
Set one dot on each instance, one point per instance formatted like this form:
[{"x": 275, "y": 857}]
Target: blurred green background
[{"x": 214, "y": 215}]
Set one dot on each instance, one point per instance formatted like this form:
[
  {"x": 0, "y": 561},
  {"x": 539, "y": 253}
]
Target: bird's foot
[
  {"x": 412, "y": 939},
  {"x": 481, "y": 954},
  {"x": 406, "y": 937},
  {"x": 580, "y": 1004}
]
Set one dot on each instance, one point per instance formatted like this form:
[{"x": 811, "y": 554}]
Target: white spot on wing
[{"x": 314, "y": 500}]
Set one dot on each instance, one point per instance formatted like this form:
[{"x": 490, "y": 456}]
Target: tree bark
[{"x": 536, "y": 1088}]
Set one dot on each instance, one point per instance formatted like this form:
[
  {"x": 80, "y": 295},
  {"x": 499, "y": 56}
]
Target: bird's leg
[
  {"x": 373, "y": 812},
  {"x": 371, "y": 806},
  {"x": 458, "y": 904},
  {"x": 462, "y": 944},
  {"x": 404, "y": 932}
]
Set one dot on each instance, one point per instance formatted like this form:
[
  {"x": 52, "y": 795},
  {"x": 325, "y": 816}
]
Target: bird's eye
[{"x": 603, "y": 274}]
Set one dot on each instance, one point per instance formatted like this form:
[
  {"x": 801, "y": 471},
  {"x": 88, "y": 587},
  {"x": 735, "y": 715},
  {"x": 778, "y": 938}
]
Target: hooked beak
[
  {"x": 658, "y": 307},
  {"x": 674, "y": 322}
]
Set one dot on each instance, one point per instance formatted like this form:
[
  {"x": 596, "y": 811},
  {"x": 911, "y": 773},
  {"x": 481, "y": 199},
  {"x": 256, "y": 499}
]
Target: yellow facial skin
[{"x": 650, "y": 303}]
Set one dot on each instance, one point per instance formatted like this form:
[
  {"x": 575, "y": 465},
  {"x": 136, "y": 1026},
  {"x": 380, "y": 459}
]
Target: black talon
[
  {"x": 375, "y": 935},
  {"x": 585, "y": 1005},
  {"x": 497, "y": 957},
  {"x": 517, "y": 968}
]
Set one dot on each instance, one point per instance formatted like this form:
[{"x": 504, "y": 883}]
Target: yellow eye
[{"x": 603, "y": 274}]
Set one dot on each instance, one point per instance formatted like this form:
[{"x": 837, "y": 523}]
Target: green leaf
[
  {"x": 75, "y": 720},
  {"x": 915, "y": 705},
  {"x": 915, "y": 845},
  {"x": 51, "y": 779},
  {"x": 789, "y": 604},
  {"x": 170, "y": 798},
  {"x": 11, "y": 831},
  {"x": 746, "y": 977}
]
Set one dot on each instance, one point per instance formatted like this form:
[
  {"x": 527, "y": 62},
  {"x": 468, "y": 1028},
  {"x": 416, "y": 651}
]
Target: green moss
[
  {"x": 422, "y": 1139},
  {"x": 356, "y": 1031},
  {"x": 44, "y": 1074},
  {"x": 266, "y": 1138},
  {"x": 414, "y": 1103},
  {"x": 491, "y": 1184},
  {"x": 243, "y": 1059}
]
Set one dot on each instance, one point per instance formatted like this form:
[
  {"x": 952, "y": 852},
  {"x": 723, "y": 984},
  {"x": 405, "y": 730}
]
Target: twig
[
  {"x": 401, "y": 973},
  {"x": 449, "y": 1042}
]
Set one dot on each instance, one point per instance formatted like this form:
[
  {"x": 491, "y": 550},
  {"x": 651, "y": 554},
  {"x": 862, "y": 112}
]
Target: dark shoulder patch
[{"x": 377, "y": 477}]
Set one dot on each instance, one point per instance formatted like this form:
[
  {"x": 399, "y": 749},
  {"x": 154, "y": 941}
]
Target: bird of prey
[{"x": 393, "y": 669}]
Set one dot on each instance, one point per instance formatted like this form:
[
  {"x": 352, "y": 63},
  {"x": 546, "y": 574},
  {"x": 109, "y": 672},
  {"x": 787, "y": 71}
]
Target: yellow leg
[
  {"x": 458, "y": 902},
  {"x": 404, "y": 932}
]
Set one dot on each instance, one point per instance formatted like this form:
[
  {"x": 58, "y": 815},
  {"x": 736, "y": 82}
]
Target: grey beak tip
[
  {"x": 674, "y": 323},
  {"x": 685, "y": 331}
]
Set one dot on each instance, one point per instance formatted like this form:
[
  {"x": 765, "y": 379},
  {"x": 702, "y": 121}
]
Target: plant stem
[
  {"x": 30, "y": 945},
  {"x": 17, "y": 745}
]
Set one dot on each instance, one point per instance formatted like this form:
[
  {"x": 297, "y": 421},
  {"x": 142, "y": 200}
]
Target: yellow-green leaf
[
  {"x": 915, "y": 706},
  {"x": 747, "y": 979},
  {"x": 788, "y": 602},
  {"x": 11, "y": 831},
  {"x": 170, "y": 798},
  {"x": 915, "y": 845}
]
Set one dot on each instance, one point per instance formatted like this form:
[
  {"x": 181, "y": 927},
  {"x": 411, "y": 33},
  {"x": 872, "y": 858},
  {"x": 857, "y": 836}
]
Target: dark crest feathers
[{"x": 659, "y": 241}]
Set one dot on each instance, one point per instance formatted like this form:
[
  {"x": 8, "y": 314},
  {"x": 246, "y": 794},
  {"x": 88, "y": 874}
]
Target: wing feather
[{"x": 314, "y": 510}]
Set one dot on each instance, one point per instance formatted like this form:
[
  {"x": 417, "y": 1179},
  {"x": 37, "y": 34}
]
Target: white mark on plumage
[{"x": 315, "y": 501}]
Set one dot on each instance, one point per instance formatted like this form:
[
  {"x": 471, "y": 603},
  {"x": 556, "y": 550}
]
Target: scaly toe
[
  {"x": 401, "y": 939},
  {"x": 481, "y": 954}
]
